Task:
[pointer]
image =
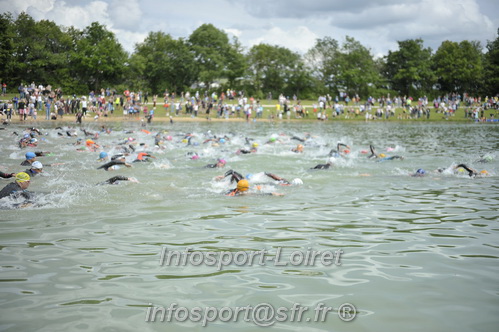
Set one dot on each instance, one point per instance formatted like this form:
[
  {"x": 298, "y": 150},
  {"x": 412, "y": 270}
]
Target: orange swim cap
[{"x": 243, "y": 185}]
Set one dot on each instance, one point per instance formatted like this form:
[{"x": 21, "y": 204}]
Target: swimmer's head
[
  {"x": 37, "y": 165},
  {"x": 222, "y": 140},
  {"x": 221, "y": 161},
  {"x": 484, "y": 172},
  {"x": 243, "y": 185},
  {"x": 30, "y": 155},
  {"x": 22, "y": 177},
  {"x": 102, "y": 155},
  {"x": 296, "y": 182},
  {"x": 421, "y": 171},
  {"x": 382, "y": 155},
  {"x": 346, "y": 151},
  {"x": 195, "y": 157},
  {"x": 272, "y": 139}
]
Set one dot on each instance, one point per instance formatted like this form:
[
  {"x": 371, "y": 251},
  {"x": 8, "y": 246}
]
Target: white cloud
[
  {"x": 125, "y": 14},
  {"x": 298, "y": 39},
  {"x": 295, "y": 24}
]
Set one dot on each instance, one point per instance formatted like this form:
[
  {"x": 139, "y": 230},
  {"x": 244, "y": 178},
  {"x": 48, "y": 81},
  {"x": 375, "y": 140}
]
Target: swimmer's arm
[
  {"x": 341, "y": 144},
  {"x": 115, "y": 178},
  {"x": 6, "y": 175},
  {"x": 277, "y": 178},
  {"x": 471, "y": 171},
  {"x": 373, "y": 152},
  {"x": 236, "y": 177}
]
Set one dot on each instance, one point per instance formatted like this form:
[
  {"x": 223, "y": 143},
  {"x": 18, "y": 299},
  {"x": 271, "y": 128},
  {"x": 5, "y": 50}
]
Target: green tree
[
  {"x": 164, "y": 63},
  {"x": 271, "y": 67},
  {"x": 322, "y": 63},
  {"x": 210, "y": 46},
  {"x": 7, "y": 48},
  {"x": 236, "y": 63},
  {"x": 492, "y": 67},
  {"x": 99, "y": 59},
  {"x": 356, "y": 69},
  {"x": 409, "y": 69},
  {"x": 459, "y": 66}
]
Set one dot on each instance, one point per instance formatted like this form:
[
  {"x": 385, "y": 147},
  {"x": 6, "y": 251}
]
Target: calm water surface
[{"x": 420, "y": 254}]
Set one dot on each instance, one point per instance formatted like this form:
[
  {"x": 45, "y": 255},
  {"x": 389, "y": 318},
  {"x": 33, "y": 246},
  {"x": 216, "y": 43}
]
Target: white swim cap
[{"x": 297, "y": 182}]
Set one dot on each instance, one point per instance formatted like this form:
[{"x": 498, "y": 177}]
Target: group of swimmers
[{"x": 127, "y": 146}]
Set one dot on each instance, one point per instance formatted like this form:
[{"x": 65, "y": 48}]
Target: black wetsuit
[
  {"x": 390, "y": 158},
  {"x": 211, "y": 166},
  {"x": 234, "y": 176},
  {"x": 373, "y": 152},
  {"x": 31, "y": 172},
  {"x": 13, "y": 189},
  {"x": 322, "y": 166},
  {"x": 114, "y": 179},
  {"x": 111, "y": 164},
  {"x": 470, "y": 171}
]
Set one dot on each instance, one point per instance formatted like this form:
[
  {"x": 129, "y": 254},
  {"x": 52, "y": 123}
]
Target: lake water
[{"x": 419, "y": 253}]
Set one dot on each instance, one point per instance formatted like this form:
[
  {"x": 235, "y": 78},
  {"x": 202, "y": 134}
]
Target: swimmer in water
[
  {"x": 473, "y": 172},
  {"x": 381, "y": 156},
  {"x": 117, "y": 178},
  {"x": 485, "y": 159},
  {"x": 298, "y": 149},
  {"x": 36, "y": 168},
  {"x": 341, "y": 150},
  {"x": 143, "y": 157},
  {"x": 254, "y": 148},
  {"x": 220, "y": 164},
  {"x": 283, "y": 181},
  {"x": 234, "y": 176},
  {"x": 115, "y": 162},
  {"x": 17, "y": 188},
  {"x": 419, "y": 173},
  {"x": 326, "y": 165},
  {"x": 103, "y": 156},
  {"x": 30, "y": 159},
  {"x": 242, "y": 189}
]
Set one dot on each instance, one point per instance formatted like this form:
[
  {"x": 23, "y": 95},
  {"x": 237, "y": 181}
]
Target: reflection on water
[{"x": 419, "y": 253}]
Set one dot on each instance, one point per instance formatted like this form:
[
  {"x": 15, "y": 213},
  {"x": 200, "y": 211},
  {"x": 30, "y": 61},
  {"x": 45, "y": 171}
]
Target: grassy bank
[{"x": 270, "y": 113}]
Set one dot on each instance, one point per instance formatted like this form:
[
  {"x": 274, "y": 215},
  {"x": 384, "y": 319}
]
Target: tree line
[{"x": 79, "y": 61}]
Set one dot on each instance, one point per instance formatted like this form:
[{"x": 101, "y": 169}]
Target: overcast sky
[{"x": 295, "y": 24}]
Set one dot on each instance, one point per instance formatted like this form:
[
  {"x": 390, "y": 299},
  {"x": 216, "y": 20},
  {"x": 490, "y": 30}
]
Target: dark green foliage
[{"x": 91, "y": 59}]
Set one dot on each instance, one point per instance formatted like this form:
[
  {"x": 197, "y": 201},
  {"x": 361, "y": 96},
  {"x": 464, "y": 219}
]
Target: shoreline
[{"x": 164, "y": 119}]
